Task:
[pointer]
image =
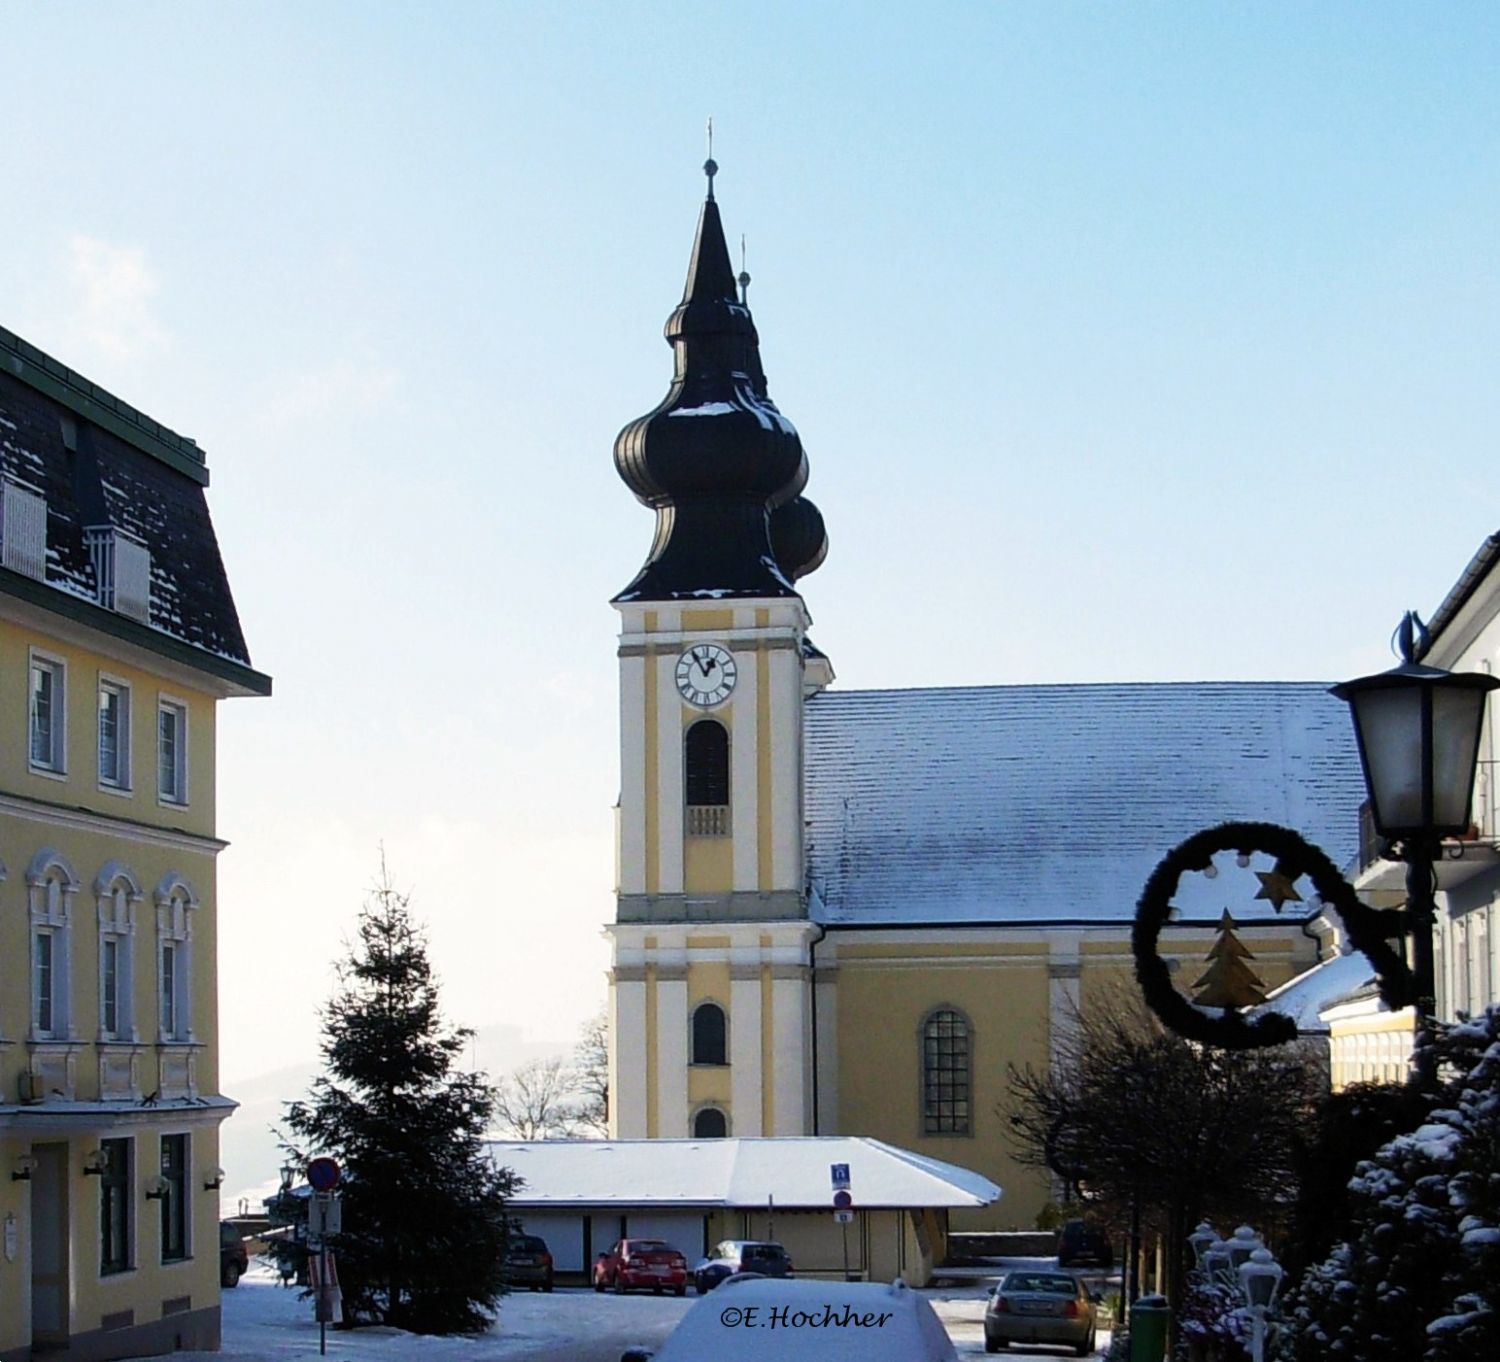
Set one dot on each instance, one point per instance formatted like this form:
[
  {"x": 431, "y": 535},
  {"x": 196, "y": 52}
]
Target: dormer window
[
  {"x": 23, "y": 530},
  {"x": 122, "y": 571},
  {"x": 706, "y": 779}
]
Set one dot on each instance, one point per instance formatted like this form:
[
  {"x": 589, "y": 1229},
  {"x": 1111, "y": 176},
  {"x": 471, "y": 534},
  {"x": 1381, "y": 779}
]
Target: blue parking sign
[{"x": 840, "y": 1173}]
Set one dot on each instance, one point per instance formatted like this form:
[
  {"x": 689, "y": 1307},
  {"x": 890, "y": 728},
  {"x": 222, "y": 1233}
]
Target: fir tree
[
  {"x": 424, "y": 1225},
  {"x": 1228, "y": 981}
]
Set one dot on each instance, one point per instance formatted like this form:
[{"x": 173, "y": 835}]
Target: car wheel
[
  {"x": 1086, "y": 1348},
  {"x": 993, "y": 1345},
  {"x": 547, "y": 1285},
  {"x": 599, "y": 1284},
  {"x": 229, "y": 1275},
  {"x": 680, "y": 1290},
  {"x": 619, "y": 1285}
]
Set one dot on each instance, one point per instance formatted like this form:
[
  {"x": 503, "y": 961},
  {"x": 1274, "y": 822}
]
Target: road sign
[
  {"x": 843, "y": 1200},
  {"x": 323, "y": 1174},
  {"x": 324, "y": 1215},
  {"x": 843, "y": 1217},
  {"x": 840, "y": 1172}
]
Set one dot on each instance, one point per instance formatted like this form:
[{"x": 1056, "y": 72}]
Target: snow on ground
[{"x": 263, "y": 1322}]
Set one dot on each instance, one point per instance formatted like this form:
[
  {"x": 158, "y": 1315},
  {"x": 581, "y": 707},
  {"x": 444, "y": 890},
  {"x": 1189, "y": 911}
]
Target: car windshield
[
  {"x": 649, "y": 1246},
  {"x": 1036, "y": 1281},
  {"x": 527, "y": 1243}
]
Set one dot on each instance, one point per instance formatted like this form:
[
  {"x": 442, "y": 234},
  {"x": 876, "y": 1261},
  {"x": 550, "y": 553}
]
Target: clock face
[{"x": 706, "y": 675}]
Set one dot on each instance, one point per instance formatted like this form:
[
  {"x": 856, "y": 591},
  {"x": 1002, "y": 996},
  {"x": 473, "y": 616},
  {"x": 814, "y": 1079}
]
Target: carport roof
[{"x": 791, "y": 1171}]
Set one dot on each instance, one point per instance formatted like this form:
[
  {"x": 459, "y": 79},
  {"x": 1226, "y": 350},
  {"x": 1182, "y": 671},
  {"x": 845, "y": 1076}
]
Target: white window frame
[
  {"x": 123, "y": 739},
  {"x": 51, "y": 887},
  {"x": 117, "y": 893},
  {"x": 176, "y": 906},
  {"x": 55, "y": 764},
  {"x": 179, "y": 796}
]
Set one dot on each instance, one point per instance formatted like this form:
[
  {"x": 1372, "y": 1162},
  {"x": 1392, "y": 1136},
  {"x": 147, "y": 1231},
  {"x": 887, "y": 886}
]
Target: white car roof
[{"x": 813, "y": 1321}]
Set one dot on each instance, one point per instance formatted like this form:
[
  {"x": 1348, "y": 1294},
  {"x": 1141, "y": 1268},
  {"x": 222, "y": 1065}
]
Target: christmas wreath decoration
[{"x": 1294, "y": 857}]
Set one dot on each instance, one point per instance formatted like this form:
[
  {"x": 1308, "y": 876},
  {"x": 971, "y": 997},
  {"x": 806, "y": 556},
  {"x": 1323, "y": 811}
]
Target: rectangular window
[
  {"x": 114, "y": 1207},
  {"x": 171, "y": 752},
  {"x": 47, "y": 700},
  {"x": 114, "y": 735},
  {"x": 174, "y": 1155},
  {"x": 42, "y": 982},
  {"x": 109, "y": 1001},
  {"x": 169, "y": 990}
]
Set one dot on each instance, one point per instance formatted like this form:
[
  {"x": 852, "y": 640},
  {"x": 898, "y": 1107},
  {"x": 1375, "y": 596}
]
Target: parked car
[
  {"x": 832, "y": 1321},
  {"x": 641, "y": 1265},
  {"x": 1040, "y": 1307},
  {"x": 760, "y": 1257},
  {"x": 234, "y": 1257},
  {"x": 527, "y": 1262},
  {"x": 1079, "y": 1244}
]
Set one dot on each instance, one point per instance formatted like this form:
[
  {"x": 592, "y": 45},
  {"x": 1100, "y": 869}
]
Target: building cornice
[{"x": 85, "y": 820}]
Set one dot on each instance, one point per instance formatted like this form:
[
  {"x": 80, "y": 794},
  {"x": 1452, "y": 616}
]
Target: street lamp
[
  {"x": 1199, "y": 1241},
  {"x": 1242, "y": 1246},
  {"x": 1260, "y": 1276},
  {"x": 1418, "y": 733}
]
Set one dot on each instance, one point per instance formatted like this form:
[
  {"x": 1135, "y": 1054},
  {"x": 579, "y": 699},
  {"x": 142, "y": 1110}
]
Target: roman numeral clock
[{"x": 706, "y": 675}]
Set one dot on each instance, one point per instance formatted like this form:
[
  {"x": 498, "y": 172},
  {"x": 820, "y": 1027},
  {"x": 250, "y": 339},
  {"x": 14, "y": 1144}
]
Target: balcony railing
[
  {"x": 708, "y": 820},
  {"x": 1485, "y": 816}
]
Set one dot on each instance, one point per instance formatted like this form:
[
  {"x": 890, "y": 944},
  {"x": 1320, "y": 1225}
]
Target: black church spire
[{"x": 716, "y": 461}]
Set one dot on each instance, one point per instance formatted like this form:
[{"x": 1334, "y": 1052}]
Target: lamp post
[
  {"x": 1418, "y": 733},
  {"x": 1260, "y": 1276},
  {"x": 1199, "y": 1241},
  {"x": 1242, "y": 1245}
]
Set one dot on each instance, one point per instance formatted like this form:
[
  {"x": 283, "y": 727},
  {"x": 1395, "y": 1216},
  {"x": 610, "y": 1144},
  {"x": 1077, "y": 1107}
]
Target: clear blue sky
[{"x": 1126, "y": 342}]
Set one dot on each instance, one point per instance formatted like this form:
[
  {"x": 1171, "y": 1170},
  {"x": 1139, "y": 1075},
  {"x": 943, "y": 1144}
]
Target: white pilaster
[
  {"x": 627, "y": 1061},
  {"x": 671, "y": 1057},
  {"x": 785, "y": 680},
  {"x": 668, "y": 777},
  {"x": 1064, "y": 967},
  {"x": 789, "y": 1051},
  {"x": 632, "y": 834},
  {"x": 744, "y": 1054},
  {"x": 745, "y": 771}
]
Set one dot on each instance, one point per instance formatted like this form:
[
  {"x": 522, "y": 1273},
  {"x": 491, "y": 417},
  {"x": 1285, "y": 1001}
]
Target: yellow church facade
[
  {"x": 845, "y": 912},
  {"x": 117, "y": 641}
]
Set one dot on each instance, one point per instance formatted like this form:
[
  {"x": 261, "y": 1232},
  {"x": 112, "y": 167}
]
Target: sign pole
[
  {"x": 323, "y": 1294},
  {"x": 845, "y": 1228}
]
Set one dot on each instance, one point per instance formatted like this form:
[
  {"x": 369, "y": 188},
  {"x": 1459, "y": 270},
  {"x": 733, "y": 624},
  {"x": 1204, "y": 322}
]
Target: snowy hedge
[{"x": 1419, "y": 1276}]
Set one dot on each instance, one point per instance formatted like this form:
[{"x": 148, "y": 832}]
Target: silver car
[{"x": 1040, "y": 1307}]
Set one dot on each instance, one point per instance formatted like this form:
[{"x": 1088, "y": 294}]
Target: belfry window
[
  {"x": 709, "y": 1035},
  {"x": 710, "y": 1124},
  {"x": 706, "y": 779},
  {"x": 945, "y": 1073}
]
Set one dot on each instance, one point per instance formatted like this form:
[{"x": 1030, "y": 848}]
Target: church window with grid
[
  {"x": 706, "y": 778},
  {"x": 945, "y": 1073}
]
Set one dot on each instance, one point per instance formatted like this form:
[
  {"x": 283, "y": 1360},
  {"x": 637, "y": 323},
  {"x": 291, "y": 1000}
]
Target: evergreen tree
[
  {"x": 1228, "y": 981},
  {"x": 424, "y": 1225}
]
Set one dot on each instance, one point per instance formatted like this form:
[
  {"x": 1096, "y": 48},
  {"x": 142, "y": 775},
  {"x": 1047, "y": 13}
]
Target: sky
[{"x": 1127, "y": 342}]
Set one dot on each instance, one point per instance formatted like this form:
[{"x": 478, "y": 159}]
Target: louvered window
[
  {"x": 945, "y": 1073},
  {"x": 23, "y": 530},
  {"x": 122, "y": 571},
  {"x": 706, "y": 778},
  {"x": 709, "y": 1035}
]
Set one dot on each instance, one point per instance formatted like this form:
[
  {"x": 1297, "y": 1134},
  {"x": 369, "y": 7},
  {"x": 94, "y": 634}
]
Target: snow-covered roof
[
  {"x": 1320, "y": 987},
  {"x": 794, "y": 1171},
  {"x": 1054, "y": 803}
]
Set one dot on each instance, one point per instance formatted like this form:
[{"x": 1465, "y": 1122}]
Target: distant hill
[{"x": 249, "y": 1152}]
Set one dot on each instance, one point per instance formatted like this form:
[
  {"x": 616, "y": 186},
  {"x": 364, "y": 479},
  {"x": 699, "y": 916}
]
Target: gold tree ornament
[
  {"x": 1277, "y": 886},
  {"x": 1228, "y": 981}
]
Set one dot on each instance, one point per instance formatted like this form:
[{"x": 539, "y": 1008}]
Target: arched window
[
  {"x": 945, "y": 1073},
  {"x": 176, "y": 905},
  {"x": 706, "y": 779},
  {"x": 116, "y": 894},
  {"x": 710, "y": 1124},
  {"x": 50, "y": 888},
  {"x": 708, "y": 1035}
]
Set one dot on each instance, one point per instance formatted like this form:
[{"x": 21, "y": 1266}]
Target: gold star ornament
[{"x": 1278, "y": 887}]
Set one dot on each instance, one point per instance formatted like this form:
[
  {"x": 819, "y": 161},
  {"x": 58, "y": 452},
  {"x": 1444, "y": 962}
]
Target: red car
[{"x": 640, "y": 1265}]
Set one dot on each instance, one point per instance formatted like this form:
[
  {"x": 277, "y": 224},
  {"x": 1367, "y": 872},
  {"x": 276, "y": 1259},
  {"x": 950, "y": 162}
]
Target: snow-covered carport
[{"x": 582, "y": 1195}]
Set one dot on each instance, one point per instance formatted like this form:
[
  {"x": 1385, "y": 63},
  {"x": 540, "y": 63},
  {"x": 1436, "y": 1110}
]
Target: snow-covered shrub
[
  {"x": 1418, "y": 1280},
  {"x": 1214, "y": 1322}
]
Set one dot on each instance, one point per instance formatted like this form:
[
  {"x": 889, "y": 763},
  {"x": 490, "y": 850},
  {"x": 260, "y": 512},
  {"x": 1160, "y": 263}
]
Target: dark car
[
  {"x": 733, "y": 1257},
  {"x": 234, "y": 1257},
  {"x": 640, "y": 1265},
  {"x": 1079, "y": 1244},
  {"x": 1040, "y": 1307},
  {"x": 528, "y": 1263}
]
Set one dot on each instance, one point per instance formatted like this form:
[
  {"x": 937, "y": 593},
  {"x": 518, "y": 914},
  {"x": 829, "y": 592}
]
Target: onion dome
[{"x": 715, "y": 456}]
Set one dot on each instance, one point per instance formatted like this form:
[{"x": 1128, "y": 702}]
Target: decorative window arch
[
  {"x": 176, "y": 905},
  {"x": 710, "y": 1123},
  {"x": 117, "y": 893},
  {"x": 946, "y": 1069},
  {"x": 710, "y": 1035},
  {"x": 705, "y": 772},
  {"x": 51, "y": 887}
]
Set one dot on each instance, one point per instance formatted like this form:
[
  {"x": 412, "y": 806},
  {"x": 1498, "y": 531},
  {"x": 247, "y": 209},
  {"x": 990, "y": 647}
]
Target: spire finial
[
  {"x": 744, "y": 279},
  {"x": 710, "y": 166}
]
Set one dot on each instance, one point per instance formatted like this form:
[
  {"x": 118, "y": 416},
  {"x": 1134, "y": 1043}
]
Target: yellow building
[
  {"x": 118, "y": 636},
  {"x": 847, "y": 912}
]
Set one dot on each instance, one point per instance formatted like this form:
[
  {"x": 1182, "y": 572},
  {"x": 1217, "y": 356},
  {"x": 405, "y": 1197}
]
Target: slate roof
[
  {"x": 133, "y": 474},
  {"x": 733, "y": 1172},
  {"x": 1052, "y": 804}
]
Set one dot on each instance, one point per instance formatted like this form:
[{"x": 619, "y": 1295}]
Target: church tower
[{"x": 710, "y": 994}]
